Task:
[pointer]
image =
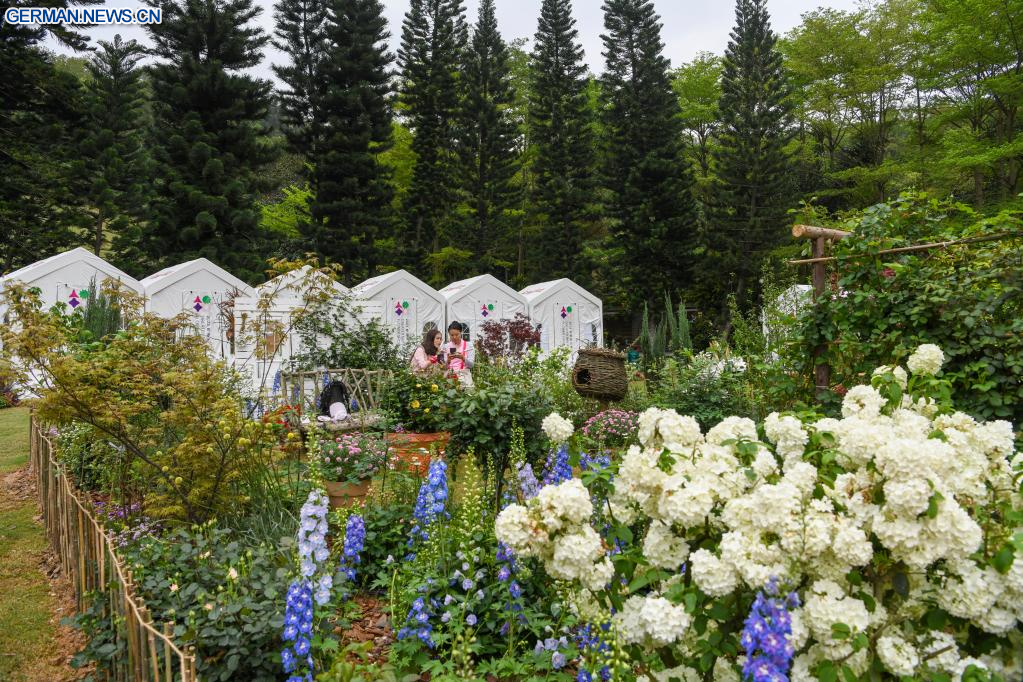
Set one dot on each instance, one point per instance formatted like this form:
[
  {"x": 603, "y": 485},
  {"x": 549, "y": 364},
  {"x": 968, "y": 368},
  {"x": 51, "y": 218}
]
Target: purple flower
[
  {"x": 765, "y": 636},
  {"x": 558, "y": 660},
  {"x": 471, "y": 619}
]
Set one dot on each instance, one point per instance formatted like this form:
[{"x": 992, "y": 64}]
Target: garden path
[{"x": 33, "y": 597}]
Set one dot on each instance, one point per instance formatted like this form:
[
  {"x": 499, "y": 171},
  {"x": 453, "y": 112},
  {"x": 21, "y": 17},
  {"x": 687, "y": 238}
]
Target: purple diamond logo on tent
[
  {"x": 483, "y": 311},
  {"x": 564, "y": 313},
  {"x": 398, "y": 310},
  {"x": 197, "y": 304},
  {"x": 73, "y": 299}
]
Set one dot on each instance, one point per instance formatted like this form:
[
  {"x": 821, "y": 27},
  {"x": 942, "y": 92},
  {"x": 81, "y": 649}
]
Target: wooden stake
[{"x": 813, "y": 232}]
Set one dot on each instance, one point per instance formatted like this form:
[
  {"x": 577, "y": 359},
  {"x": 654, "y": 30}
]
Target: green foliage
[
  {"x": 747, "y": 213},
  {"x": 433, "y": 38},
  {"x": 966, "y": 299},
  {"x": 332, "y": 335},
  {"x": 208, "y": 141},
  {"x": 103, "y": 647},
  {"x": 482, "y": 420},
  {"x": 669, "y": 336},
  {"x": 490, "y": 140},
  {"x": 353, "y": 665},
  {"x": 561, "y": 134},
  {"x": 352, "y": 189},
  {"x": 234, "y": 623},
  {"x": 116, "y": 163},
  {"x": 698, "y": 86},
  {"x": 704, "y": 388},
  {"x": 416, "y": 402},
  {"x": 648, "y": 178},
  {"x": 100, "y": 318},
  {"x": 286, "y": 215},
  {"x": 158, "y": 397}
]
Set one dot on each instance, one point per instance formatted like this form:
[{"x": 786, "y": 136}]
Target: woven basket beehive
[{"x": 600, "y": 373}]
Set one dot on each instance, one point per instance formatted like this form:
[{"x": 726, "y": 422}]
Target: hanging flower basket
[
  {"x": 414, "y": 449},
  {"x": 343, "y": 494},
  {"x": 600, "y": 373}
]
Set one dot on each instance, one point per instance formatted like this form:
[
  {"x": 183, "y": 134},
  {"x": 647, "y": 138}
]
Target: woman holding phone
[
  {"x": 459, "y": 355},
  {"x": 428, "y": 357}
]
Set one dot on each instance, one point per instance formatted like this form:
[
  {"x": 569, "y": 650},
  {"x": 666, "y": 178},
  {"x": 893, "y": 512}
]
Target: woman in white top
[
  {"x": 426, "y": 359},
  {"x": 460, "y": 355}
]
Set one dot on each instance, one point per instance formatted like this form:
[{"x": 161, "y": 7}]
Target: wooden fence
[
  {"x": 147, "y": 651},
  {"x": 303, "y": 388}
]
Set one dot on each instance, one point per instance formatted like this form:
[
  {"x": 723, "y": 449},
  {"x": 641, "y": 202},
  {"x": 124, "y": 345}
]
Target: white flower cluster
[
  {"x": 911, "y": 482},
  {"x": 557, "y": 428},
  {"x": 555, "y": 526},
  {"x": 926, "y": 359}
]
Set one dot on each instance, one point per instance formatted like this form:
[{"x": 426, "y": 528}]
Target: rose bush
[{"x": 894, "y": 529}]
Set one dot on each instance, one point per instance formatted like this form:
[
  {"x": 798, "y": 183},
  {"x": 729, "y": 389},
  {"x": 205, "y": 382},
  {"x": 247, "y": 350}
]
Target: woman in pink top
[
  {"x": 426, "y": 359},
  {"x": 460, "y": 355}
]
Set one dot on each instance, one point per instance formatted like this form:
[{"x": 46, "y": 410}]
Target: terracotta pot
[
  {"x": 344, "y": 494},
  {"x": 413, "y": 449}
]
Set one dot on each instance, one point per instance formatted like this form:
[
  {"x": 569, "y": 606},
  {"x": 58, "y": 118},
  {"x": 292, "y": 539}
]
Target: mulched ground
[{"x": 373, "y": 626}]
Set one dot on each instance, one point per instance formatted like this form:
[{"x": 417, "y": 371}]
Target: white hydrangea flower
[
  {"x": 732, "y": 428},
  {"x": 897, "y": 655},
  {"x": 713, "y": 576},
  {"x": 926, "y": 359},
  {"x": 575, "y": 553},
  {"x": 724, "y": 671},
  {"x": 651, "y": 620},
  {"x": 514, "y": 528},
  {"x": 557, "y": 428},
  {"x": 667, "y": 429},
  {"x": 851, "y": 545},
  {"x": 901, "y": 378},
  {"x": 787, "y": 433},
  {"x": 664, "y": 549},
  {"x": 864, "y": 401},
  {"x": 827, "y": 604}
]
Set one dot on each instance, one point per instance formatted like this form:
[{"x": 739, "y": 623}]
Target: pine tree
[
  {"x": 352, "y": 189},
  {"x": 752, "y": 192},
  {"x": 490, "y": 138},
  {"x": 42, "y": 109},
  {"x": 300, "y": 33},
  {"x": 116, "y": 162},
  {"x": 652, "y": 207},
  {"x": 208, "y": 139},
  {"x": 433, "y": 38},
  {"x": 560, "y": 130}
]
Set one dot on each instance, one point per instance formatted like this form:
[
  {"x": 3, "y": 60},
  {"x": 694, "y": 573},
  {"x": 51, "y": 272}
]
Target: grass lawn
[
  {"x": 13, "y": 438},
  {"x": 28, "y": 648}
]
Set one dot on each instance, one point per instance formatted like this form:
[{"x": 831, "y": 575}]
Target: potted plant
[
  {"x": 414, "y": 404},
  {"x": 348, "y": 463}
]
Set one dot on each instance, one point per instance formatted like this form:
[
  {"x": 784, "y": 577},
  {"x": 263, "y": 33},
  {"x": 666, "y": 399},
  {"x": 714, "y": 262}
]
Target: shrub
[
  {"x": 966, "y": 299},
  {"x": 412, "y": 401},
  {"x": 882, "y": 545},
  {"x": 171, "y": 411},
  {"x": 225, "y": 598}
]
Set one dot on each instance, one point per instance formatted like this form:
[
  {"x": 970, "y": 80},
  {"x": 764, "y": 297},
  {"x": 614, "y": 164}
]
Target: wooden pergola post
[{"x": 819, "y": 237}]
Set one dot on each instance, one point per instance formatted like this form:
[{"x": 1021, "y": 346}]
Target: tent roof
[
  {"x": 372, "y": 285},
  {"x": 285, "y": 280},
  {"x": 464, "y": 286},
  {"x": 39, "y": 269},
  {"x": 158, "y": 281},
  {"x": 535, "y": 293}
]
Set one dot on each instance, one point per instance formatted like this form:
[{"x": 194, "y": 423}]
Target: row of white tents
[{"x": 568, "y": 315}]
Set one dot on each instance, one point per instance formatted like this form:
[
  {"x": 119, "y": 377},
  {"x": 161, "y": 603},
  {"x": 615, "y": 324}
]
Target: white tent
[
  {"x": 293, "y": 284},
  {"x": 410, "y": 305},
  {"x": 568, "y": 315},
  {"x": 203, "y": 290},
  {"x": 482, "y": 298},
  {"x": 67, "y": 278}
]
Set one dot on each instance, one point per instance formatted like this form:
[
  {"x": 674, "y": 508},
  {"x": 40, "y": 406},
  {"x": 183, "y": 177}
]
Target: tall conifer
[
  {"x": 433, "y": 38},
  {"x": 208, "y": 138},
  {"x": 753, "y": 190},
  {"x": 651, "y": 205},
  {"x": 489, "y": 138},
  {"x": 352, "y": 189},
  {"x": 300, "y": 32},
  {"x": 116, "y": 162},
  {"x": 561, "y": 131}
]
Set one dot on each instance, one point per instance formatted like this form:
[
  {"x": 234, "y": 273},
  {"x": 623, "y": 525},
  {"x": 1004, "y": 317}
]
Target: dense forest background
[{"x": 466, "y": 153}]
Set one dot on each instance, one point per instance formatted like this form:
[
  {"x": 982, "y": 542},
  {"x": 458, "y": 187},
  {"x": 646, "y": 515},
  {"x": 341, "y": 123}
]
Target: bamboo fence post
[{"x": 168, "y": 632}]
